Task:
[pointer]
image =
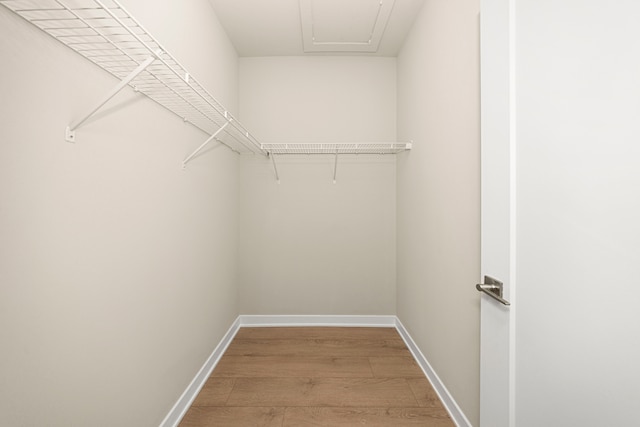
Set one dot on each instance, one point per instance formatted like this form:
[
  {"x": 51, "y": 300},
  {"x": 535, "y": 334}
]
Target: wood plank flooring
[{"x": 317, "y": 376}]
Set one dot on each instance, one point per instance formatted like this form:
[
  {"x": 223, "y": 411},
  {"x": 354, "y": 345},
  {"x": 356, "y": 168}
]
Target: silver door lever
[{"x": 493, "y": 288}]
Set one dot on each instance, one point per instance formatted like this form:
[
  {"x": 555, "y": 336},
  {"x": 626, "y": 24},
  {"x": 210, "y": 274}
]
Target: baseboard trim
[
  {"x": 445, "y": 397},
  {"x": 317, "y": 320},
  {"x": 180, "y": 408},
  {"x": 184, "y": 402}
]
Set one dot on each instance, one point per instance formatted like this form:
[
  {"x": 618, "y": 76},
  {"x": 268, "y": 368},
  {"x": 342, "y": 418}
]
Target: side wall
[
  {"x": 117, "y": 268},
  {"x": 439, "y": 194},
  {"x": 308, "y": 246}
]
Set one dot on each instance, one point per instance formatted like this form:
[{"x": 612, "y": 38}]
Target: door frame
[{"x": 498, "y": 210}]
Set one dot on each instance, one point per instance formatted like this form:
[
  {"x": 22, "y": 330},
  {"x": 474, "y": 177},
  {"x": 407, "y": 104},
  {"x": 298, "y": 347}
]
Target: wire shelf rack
[
  {"x": 106, "y": 34},
  {"x": 336, "y": 148}
]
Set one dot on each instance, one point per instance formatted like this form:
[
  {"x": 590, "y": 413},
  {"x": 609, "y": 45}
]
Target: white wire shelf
[
  {"x": 337, "y": 148},
  {"x": 106, "y": 34}
]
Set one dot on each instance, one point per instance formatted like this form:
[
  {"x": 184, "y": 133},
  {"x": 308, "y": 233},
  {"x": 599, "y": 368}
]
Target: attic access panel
[{"x": 344, "y": 26}]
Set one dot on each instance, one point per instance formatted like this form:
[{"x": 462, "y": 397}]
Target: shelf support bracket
[
  {"x": 70, "y": 134},
  {"x": 335, "y": 167},
  {"x": 275, "y": 168},
  {"x": 204, "y": 144}
]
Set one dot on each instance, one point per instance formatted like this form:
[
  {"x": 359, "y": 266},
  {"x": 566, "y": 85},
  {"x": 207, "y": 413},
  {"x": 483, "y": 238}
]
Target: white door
[
  {"x": 578, "y": 210},
  {"x": 498, "y": 214},
  {"x": 577, "y": 83}
]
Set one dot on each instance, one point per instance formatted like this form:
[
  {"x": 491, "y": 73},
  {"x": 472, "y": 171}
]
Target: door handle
[{"x": 493, "y": 288}]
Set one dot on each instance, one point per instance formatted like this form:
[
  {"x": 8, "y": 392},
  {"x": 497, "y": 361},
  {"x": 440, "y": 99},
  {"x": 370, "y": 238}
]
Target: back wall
[{"x": 308, "y": 246}]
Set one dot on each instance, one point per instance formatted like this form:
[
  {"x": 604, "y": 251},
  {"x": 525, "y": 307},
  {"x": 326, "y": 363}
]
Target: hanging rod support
[
  {"x": 70, "y": 131},
  {"x": 204, "y": 144},
  {"x": 335, "y": 167},
  {"x": 275, "y": 169}
]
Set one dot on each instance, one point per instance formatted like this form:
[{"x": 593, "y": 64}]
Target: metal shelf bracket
[
  {"x": 204, "y": 144},
  {"x": 70, "y": 134},
  {"x": 275, "y": 168}
]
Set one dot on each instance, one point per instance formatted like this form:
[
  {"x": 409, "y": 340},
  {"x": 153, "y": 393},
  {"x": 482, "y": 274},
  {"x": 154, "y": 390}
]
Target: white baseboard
[
  {"x": 317, "y": 320},
  {"x": 182, "y": 405},
  {"x": 180, "y": 408},
  {"x": 445, "y": 397}
]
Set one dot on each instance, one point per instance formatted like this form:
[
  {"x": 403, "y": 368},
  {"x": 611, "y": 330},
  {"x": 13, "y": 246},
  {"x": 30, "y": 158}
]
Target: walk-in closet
[{"x": 177, "y": 174}]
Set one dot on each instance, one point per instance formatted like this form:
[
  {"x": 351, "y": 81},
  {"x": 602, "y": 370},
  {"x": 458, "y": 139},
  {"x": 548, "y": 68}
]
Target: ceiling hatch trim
[{"x": 344, "y": 26}]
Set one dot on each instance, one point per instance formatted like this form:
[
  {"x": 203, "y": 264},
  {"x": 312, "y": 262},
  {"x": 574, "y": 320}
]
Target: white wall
[
  {"x": 308, "y": 246},
  {"x": 578, "y": 324},
  {"x": 438, "y": 216},
  {"x": 117, "y": 269}
]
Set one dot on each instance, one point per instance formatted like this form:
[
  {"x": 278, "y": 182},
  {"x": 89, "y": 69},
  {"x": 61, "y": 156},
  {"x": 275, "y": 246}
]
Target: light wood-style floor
[{"x": 317, "y": 377}]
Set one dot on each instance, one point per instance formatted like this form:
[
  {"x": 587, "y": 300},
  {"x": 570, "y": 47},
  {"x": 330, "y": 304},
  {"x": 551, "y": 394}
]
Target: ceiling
[{"x": 317, "y": 27}]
